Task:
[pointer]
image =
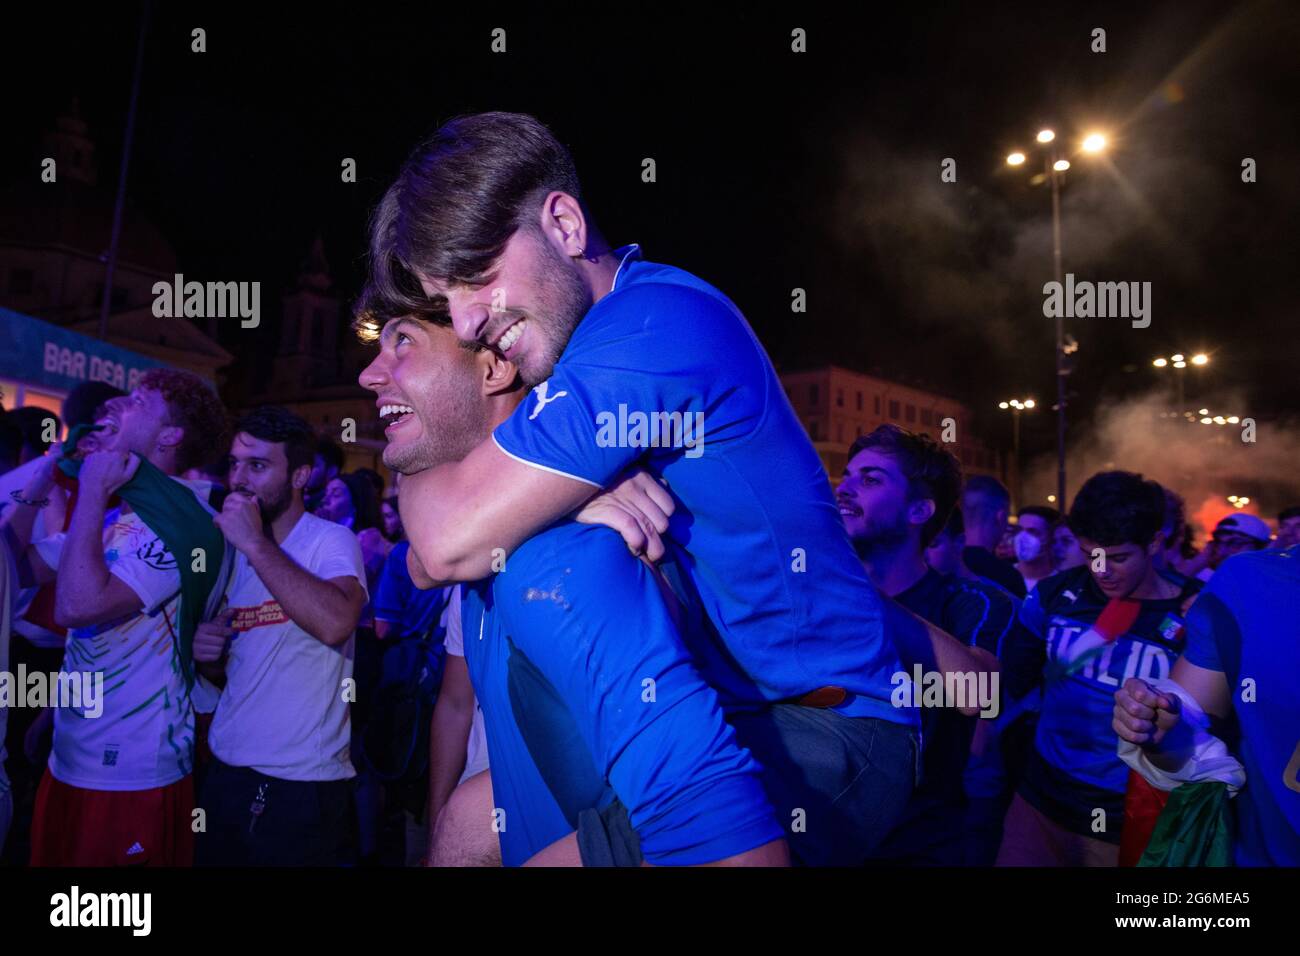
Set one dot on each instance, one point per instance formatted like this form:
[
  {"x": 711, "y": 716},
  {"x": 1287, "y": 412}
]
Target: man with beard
[
  {"x": 628, "y": 358},
  {"x": 896, "y": 494},
  {"x": 576, "y": 653},
  {"x": 277, "y": 792}
]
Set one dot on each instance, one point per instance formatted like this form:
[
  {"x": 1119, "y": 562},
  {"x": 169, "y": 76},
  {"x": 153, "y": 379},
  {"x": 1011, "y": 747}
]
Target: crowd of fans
[
  {"x": 337, "y": 720},
  {"x": 570, "y": 640}
]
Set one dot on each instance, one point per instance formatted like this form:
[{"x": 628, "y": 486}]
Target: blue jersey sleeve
[
  {"x": 395, "y": 586},
  {"x": 638, "y": 377},
  {"x": 1210, "y": 621},
  {"x": 593, "y": 620}
]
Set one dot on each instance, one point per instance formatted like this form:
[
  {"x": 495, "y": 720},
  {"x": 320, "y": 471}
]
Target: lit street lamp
[
  {"x": 1016, "y": 406},
  {"x": 1054, "y": 166},
  {"x": 1178, "y": 362}
]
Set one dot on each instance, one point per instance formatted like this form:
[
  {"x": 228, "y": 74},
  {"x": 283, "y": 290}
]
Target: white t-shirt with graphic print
[
  {"x": 144, "y": 736},
  {"x": 284, "y": 709}
]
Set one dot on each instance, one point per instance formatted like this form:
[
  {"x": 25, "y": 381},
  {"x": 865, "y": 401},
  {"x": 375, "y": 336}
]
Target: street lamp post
[
  {"x": 1054, "y": 171},
  {"x": 1053, "y": 167},
  {"x": 1016, "y": 406}
]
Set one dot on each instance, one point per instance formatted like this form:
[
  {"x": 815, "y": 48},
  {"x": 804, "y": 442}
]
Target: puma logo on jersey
[
  {"x": 136, "y": 849},
  {"x": 543, "y": 399}
]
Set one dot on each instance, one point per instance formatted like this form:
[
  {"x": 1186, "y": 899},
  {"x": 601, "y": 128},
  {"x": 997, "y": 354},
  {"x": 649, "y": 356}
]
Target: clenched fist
[
  {"x": 240, "y": 521},
  {"x": 103, "y": 472},
  {"x": 1143, "y": 715}
]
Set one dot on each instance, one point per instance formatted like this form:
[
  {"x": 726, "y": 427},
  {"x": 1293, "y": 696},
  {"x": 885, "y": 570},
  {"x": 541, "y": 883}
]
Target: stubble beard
[{"x": 563, "y": 300}]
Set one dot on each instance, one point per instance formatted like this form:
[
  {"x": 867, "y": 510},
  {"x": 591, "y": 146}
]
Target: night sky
[{"x": 775, "y": 170}]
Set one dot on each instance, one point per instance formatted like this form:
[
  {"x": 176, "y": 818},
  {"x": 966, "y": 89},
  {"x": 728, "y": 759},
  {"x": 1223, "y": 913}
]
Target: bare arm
[
  {"x": 457, "y": 515},
  {"x": 20, "y": 519},
  {"x": 920, "y": 642},
  {"x": 449, "y": 730},
  {"x": 85, "y": 592},
  {"x": 328, "y": 610}
]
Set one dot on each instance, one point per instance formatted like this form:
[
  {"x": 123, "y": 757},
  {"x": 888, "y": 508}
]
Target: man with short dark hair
[
  {"x": 277, "y": 791},
  {"x": 985, "y": 506},
  {"x": 1033, "y": 543},
  {"x": 1094, "y": 627},
  {"x": 1288, "y": 528},
  {"x": 326, "y": 466},
  {"x": 40, "y": 427},
  {"x": 897, "y": 491}
]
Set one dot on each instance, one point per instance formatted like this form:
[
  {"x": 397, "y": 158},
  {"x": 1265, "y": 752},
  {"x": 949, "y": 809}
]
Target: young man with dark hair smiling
[
  {"x": 1114, "y": 618},
  {"x": 277, "y": 790},
  {"x": 486, "y": 225},
  {"x": 575, "y": 650},
  {"x": 896, "y": 495}
]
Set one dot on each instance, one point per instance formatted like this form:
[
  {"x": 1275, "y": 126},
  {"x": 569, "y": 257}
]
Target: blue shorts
[{"x": 838, "y": 785}]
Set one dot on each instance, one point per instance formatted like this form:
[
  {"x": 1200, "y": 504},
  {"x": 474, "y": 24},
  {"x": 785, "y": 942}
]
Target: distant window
[
  {"x": 965, "y": 456},
  {"x": 893, "y": 410},
  {"x": 926, "y": 418},
  {"x": 813, "y": 430},
  {"x": 839, "y": 397},
  {"x": 839, "y": 431},
  {"x": 877, "y": 404},
  {"x": 911, "y": 413},
  {"x": 22, "y": 281},
  {"x": 859, "y": 401},
  {"x": 813, "y": 393}
]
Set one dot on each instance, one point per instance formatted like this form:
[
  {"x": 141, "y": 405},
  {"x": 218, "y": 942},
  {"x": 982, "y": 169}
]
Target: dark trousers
[
  {"x": 301, "y": 823},
  {"x": 838, "y": 784}
]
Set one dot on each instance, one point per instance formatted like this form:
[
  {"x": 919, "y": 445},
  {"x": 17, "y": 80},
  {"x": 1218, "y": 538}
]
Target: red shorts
[{"x": 72, "y": 826}]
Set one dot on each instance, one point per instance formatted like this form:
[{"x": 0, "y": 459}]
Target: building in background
[
  {"x": 54, "y": 239},
  {"x": 314, "y": 366},
  {"x": 837, "y": 405}
]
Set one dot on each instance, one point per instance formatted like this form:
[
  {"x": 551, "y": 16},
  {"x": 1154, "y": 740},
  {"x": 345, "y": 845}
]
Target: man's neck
[
  {"x": 164, "y": 461},
  {"x": 283, "y": 525},
  {"x": 895, "y": 569},
  {"x": 1035, "y": 570},
  {"x": 600, "y": 274},
  {"x": 1154, "y": 587}
]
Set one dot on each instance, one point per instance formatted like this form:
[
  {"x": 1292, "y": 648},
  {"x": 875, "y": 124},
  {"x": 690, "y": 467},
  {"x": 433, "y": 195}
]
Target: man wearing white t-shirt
[{"x": 278, "y": 792}]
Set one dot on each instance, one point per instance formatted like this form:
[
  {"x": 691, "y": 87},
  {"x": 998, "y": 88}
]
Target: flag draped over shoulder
[{"x": 185, "y": 527}]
